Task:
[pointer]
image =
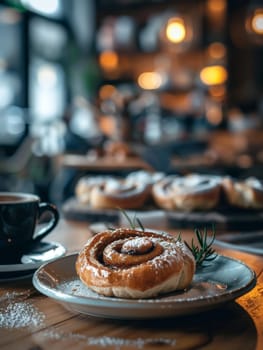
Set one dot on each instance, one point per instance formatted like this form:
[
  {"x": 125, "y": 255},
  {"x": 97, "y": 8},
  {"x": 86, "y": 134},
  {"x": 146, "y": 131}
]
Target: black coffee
[{"x": 16, "y": 198}]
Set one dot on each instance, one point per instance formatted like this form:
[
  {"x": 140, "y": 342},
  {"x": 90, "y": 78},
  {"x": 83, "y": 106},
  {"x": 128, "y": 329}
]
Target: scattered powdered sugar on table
[
  {"x": 116, "y": 342},
  {"x": 16, "y": 312}
]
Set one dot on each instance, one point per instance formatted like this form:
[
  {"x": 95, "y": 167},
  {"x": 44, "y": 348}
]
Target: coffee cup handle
[{"x": 43, "y": 208}]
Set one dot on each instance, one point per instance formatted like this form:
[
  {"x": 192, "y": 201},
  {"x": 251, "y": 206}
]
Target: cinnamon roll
[
  {"x": 246, "y": 193},
  {"x": 108, "y": 192},
  {"x": 86, "y": 183},
  {"x": 131, "y": 263},
  {"x": 188, "y": 193},
  {"x": 163, "y": 194},
  {"x": 119, "y": 194}
]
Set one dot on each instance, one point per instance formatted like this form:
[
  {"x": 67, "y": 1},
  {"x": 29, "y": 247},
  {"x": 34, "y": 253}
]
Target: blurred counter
[{"x": 105, "y": 163}]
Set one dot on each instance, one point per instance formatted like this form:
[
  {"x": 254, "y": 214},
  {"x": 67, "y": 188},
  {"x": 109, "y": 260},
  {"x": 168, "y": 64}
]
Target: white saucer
[{"x": 43, "y": 252}]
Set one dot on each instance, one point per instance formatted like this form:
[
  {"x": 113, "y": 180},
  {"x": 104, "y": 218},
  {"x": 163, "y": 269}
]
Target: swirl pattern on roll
[
  {"x": 110, "y": 192},
  {"x": 85, "y": 185},
  {"x": 188, "y": 193},
  {"x": 131, "y": 263},
  {"x": 119, "y": 194}
]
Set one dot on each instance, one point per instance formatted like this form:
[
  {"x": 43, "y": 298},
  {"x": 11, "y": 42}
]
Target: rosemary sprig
[
  {"x": 179, "y": 237},
  {"x": 203, "y": 250},
  {"x": 133, "y": 222}
]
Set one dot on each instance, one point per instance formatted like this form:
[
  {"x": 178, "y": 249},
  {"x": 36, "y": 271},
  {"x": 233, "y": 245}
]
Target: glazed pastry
[
  {"x": 246, "y": 193},
  {"x": 86, "y": 183},
  {"x": 119, "y": 194},
  {"x": 163, "y": 194},
  {"x": 131, "y": 263},
  {"x": 188, "y": 193},
  {"x": 108, "y": 192},
  {"x": 144, "y": 176}
]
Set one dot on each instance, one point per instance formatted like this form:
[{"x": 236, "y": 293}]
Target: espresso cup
[{"x": 20, "y": 229}]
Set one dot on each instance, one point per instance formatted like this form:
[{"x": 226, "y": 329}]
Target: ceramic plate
[
  {"x": 224, "y": 280},
  {"x": 42, "y": 253}
]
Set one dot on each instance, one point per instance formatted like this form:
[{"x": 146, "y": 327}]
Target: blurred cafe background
[{"x": 177, "y": 84}]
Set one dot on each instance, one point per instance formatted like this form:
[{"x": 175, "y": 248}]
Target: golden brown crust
[
  {"x": 163, "y": 194},
  {"x": 86, "y": 183},
  {"x": 135, "y": 264},
  {"x": 188, "y": 193},
  {"x": 246, "y": 193},
  {"x": 109, "y": 192},
  {"x": 124, "y": 196}
]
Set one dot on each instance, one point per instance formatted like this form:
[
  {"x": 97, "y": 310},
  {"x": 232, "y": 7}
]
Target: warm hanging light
[
  {"x": 257, "y": 22},
  {"x": 213, "y": 75},
  {"x": 150, "y": 80},
  {"x": 109, "y": 60},
  {"x": 254, "y": 25},
  {"x": 176, "y": 30}
]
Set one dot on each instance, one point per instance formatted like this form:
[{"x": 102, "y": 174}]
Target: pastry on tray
[
  {"x": 111, "y": 192},
  {"x": 187, "y": 193},
  {"x": 178, "y": 193},
  {"x": 247, "y": 193}
]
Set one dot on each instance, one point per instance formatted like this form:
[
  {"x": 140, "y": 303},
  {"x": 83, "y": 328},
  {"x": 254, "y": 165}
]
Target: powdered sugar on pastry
[
  {"x": 187, "y": 193},
  {"x": 132, "y": 263}
]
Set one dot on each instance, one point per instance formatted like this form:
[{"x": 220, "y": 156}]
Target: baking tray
[{"x": 224, "y": 218}]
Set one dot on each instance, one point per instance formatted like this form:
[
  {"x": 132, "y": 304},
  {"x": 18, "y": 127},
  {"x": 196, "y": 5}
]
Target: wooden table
[{"x": 32, "y": 321}]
